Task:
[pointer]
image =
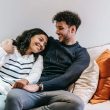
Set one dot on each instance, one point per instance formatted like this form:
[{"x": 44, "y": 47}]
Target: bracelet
[{"x": 40, "y": 87}]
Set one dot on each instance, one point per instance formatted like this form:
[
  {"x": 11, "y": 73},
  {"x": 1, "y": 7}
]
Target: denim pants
[
  {"x": 19, "y": 99},
  {"x": 2, "y": 101}
]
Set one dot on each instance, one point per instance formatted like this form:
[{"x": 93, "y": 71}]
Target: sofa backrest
[{"x": 95, "y": 51}]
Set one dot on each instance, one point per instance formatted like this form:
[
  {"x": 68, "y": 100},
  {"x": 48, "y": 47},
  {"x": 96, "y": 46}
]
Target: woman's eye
[
  {"x": 35, "y": 43},
  {"x": 40, "y": 39}
]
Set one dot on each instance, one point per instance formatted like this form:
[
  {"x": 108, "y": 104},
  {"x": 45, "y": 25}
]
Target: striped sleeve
[
  {"x": 36, "y": 71},
  {"x": 2, "y": 56}
]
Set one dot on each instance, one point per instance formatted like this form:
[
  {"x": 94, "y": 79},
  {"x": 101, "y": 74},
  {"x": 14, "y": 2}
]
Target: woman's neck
[{"x": 28, "y": 52}]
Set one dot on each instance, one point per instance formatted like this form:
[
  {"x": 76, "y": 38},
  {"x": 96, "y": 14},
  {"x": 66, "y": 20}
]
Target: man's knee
[
  {"x": 77, "y": 105},
  {"x": 74, "y": 102},
  {"x": 62, "y": 106},
  {"x": 66, "y": 101}
]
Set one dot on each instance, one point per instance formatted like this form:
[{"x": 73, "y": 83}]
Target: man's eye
[{"x": 60, "y": 28}]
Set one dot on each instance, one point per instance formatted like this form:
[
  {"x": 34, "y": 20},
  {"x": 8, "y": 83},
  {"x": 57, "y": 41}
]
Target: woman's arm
[
  {"x": 36, "y": 71},
  {"x": 34, "y": 75}
]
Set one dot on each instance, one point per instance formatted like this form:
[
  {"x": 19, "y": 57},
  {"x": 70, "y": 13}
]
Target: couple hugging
[{"x": 36, "y": 70}]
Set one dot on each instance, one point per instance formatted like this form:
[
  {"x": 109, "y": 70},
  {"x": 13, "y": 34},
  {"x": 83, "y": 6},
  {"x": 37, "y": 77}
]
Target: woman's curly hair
[{"x": 22, "y": 42}]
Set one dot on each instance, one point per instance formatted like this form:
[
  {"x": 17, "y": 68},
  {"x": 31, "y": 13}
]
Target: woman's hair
[{"x": 22, "y": 42}]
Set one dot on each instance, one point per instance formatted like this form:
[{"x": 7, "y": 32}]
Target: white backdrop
[{"x": 19, "y": 15}]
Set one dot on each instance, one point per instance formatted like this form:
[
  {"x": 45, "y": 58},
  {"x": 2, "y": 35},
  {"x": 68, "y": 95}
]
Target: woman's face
[{"x": 37, "y": 44}]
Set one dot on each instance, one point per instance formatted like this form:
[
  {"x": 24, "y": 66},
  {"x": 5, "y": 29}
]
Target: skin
[
  {"x": 7, "y": 46},
  {"x": 66, "y": 35}
]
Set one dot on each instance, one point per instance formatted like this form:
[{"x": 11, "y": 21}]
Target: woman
[{"x": 25, "y": 64}]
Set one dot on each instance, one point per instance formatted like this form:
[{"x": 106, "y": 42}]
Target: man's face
[{"x": 63, "y": 31}]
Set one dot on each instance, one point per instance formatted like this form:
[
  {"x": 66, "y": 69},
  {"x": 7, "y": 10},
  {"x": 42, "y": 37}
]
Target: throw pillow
[
  {"x": 86, "y": 85},
  {"x": 103, "y": 90}
]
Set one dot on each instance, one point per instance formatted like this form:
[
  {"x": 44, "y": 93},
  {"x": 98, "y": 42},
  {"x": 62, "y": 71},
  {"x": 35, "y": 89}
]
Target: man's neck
[{"x": 71, "y": 41}]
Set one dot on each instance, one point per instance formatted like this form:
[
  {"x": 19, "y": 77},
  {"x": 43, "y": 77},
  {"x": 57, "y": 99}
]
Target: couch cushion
[
  {"x": 99, "y": 106},
  {"x": 86, "y": 85},
  {"x": 103, "y": 90},
  {"x": 95, "y": 51}
]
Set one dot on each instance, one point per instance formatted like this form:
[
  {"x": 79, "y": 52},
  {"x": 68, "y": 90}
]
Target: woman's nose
[{"x": 42, "y": 45}]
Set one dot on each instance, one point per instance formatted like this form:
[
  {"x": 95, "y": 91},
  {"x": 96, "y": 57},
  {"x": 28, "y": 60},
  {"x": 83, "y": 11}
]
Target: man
[{"x": 64, "y": 61}]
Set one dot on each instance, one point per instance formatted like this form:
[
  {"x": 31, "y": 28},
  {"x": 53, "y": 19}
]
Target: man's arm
[
  {"x": 6, "y": 47},
  {"x": 71, "y": 75},
  {"x": 2, "y": 56},
  {"x": 63, "y": 81}
]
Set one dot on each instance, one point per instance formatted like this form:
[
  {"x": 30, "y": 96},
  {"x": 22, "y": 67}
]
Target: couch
[{"x": 94, "y": 53}]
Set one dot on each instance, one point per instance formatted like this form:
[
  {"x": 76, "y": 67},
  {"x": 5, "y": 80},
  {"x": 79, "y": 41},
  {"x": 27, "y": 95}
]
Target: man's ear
[{"x": 73, "y": 29}]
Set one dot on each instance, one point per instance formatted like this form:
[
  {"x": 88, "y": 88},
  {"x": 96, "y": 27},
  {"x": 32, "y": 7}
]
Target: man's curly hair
[{"x": 69, "y": 17}]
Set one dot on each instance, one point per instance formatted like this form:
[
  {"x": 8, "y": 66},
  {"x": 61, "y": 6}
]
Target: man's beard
[{"x": 63, "y": 39}]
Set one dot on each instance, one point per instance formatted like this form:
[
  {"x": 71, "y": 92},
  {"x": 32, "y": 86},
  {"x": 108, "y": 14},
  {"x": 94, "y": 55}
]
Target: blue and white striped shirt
[{"x": 16, "y": 67}]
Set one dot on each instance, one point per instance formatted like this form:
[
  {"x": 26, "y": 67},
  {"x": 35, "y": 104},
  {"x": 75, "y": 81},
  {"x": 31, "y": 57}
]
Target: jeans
[
  {"x": 19, "y": 99},
  {"x": 2, "y": 101}
]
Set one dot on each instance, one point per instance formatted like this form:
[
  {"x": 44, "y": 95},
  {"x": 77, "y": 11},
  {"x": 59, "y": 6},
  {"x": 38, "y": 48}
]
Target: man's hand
[
  {"x": 7, "y": 45},
  {"x": 20, "y": 83},
  {"x": 31, "y": 88}
]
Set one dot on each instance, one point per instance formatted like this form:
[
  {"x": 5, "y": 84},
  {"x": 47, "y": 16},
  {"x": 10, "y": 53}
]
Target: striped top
[{"x": 15, "y": 66}]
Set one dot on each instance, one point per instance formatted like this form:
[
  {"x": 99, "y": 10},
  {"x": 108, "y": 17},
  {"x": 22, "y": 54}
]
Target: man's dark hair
[
  {"x": 22, "y": 42},
  {"x": 69, "y": 17}
]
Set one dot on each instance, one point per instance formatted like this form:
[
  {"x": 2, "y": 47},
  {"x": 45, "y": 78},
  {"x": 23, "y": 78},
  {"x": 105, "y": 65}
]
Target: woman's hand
[{"x": 20, "y": 83}]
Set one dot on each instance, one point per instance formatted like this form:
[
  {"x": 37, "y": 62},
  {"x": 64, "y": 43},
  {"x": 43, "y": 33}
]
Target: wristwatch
[{"x": 40, "y": 86}]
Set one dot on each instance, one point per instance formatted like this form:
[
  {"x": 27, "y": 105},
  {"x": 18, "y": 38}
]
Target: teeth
[{"x": 39, "y": 47}]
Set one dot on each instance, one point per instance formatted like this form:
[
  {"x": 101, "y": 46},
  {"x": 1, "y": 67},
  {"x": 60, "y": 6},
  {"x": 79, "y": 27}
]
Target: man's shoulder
[
  {"x": 81, "y": 50},
  {"x": 80, "y": 47},
  {"x": 52, "y": 40}
]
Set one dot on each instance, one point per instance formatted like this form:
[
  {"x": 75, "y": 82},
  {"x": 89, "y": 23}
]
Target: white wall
[{"x": 19, "y": 15}]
